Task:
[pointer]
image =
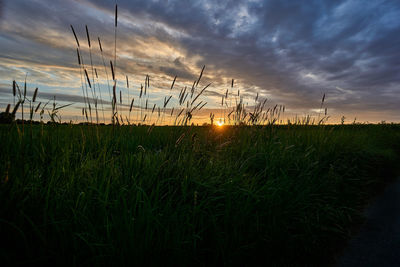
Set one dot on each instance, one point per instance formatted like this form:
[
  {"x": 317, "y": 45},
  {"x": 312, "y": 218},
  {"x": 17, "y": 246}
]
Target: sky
[{"x": 289, "y": 52}]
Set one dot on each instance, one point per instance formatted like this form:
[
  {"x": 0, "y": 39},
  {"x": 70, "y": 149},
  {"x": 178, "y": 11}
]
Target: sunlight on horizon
[{"x": 163, "y": 48}]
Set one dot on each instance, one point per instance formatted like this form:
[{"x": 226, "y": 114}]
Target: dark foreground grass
[{"x": 94, "y": 195}]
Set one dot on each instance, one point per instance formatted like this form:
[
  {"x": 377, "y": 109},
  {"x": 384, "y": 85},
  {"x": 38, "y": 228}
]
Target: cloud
[
  {"x": 289, "y": 51},
  {"x": 50, "y": 96}
]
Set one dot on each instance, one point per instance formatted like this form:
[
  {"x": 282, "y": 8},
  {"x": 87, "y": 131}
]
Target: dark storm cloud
[
  {"x": 1, "y": 9},
  {"x": 179, "y": 69},
  {"x": 291, "y": 51},
  {"x": 271, "y": 44}
]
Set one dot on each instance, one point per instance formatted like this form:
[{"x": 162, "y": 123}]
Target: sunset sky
[{"x": 291, "y": 52}]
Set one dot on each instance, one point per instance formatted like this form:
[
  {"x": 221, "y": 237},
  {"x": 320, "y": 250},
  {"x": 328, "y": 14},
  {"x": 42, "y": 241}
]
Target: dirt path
[{"x": 378, "y": 242}]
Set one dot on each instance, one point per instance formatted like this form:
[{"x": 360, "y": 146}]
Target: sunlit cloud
[{"x": 290, "y": 52}]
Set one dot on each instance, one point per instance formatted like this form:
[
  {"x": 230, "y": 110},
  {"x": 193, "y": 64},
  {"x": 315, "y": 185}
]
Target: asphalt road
[{"x": 378, "y": 242}]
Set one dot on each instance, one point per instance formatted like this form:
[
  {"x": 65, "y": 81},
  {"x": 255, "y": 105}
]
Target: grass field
[{"x": 94, "y": 195}]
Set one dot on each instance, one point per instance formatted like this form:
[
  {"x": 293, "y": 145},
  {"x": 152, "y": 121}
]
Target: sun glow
[{"x": 220, "y": 123}]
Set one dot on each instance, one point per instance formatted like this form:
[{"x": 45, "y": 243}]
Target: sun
[{"x": 220, "y": 123}]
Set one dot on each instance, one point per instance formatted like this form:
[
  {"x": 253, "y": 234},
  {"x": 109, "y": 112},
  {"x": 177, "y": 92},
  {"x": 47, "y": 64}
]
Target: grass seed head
[
  {"x": 112, "y": 70},
  {"x": 173, "y": 82},
  {"x": 14, "y": 88},
  {"x": 87, "y": 34},
  {"x": 16, "y": 108},
  {"x": 133, "y": 100},
  {"x": 88, "y": 80},
  {"x": 116, "y": 16},
  {"x": 201, "y": 74},
  {"x": 76, "y": 38},
  {"x": 101, "y": 48},
  {"x": 35, "y": 94},
  {"x": 79, "y": 57}
]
